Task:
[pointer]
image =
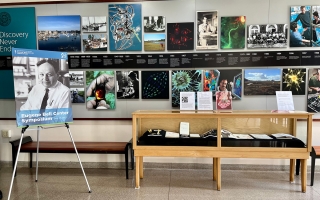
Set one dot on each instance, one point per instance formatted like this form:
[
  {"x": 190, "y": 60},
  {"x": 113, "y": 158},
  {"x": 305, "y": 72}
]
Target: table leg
[
  {"x": 141, "y": 167},
  {"x": 303, "y": 175},
  {"x": 218, "y": 169},
  {"x": 214, "y": 169},
  {"x": 137, "y": 172},
  {"x": 292, "y": 164}
]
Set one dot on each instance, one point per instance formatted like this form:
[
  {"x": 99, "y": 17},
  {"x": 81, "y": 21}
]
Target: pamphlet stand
[{"x": 38, "y": 131}]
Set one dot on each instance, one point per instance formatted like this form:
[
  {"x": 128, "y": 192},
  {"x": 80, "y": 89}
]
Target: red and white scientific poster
[{"x": 223, "y": 100}]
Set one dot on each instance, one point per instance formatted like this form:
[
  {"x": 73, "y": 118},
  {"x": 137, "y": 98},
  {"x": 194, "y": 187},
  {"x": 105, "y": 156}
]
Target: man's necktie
[{"x": 44, "y": 100}]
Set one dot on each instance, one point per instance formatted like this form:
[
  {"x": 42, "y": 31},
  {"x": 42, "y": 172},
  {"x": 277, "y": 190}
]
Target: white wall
[{"x": 256, "y": 12}]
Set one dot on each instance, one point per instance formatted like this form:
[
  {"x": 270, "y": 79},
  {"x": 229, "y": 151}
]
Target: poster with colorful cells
[
  {"x": 125, "y": 27},
  {"x": 294, "y": 80},
  {"x": 184, "y": 81},
  {"x": 180, "y": 36},
  {"x": 155, "y": 84},
  {"x": 210, "y": 80},
  {"x": 233, "y": 31},
  {"x": 100, "y": 91}
]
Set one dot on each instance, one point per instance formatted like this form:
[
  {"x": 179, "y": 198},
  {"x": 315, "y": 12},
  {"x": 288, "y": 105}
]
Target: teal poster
[{"x": 17, "y": 30}]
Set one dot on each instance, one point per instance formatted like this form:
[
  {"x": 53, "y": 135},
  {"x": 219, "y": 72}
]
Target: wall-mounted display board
[{"x": 106, "y": 28}]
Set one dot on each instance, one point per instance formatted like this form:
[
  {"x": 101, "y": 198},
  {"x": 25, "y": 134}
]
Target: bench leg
[
  {"x": 292, "y": 162},
  {"x": 303, "y": 175},
  {"x": 297, "y": 166},
  {"x": 126, "y": 160},
  {"x": 137, "y": 172},
  {"x": 30, "y": 156},
  {"x": 313, "y": 162}
]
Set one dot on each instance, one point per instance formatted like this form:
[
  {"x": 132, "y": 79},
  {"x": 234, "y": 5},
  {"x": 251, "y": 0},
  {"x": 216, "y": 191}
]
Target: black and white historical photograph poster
[
  {"x": 301, "y": 31},
  {"x": 155, "y": 84},
  {"x": 76, "y": 78},
  {"x": 94, "y": 42},
  {"x": 262, "y": 81},
  {"x": 180, "y": 36},
  {"x": 313, "y": 103},
  {"x": 59, "y": 33},
  {"x": 154, "y": 24},
  {"x": 267, "y": 36},
  {"x": 77, "y": 95},
  {"x": 207, "y": 30},
  {"x": 294, "y": 80},
  {"x": 94, "y": 24},
  {"x": 184, "y": 81},
  {"x": 127, "y": 84}
]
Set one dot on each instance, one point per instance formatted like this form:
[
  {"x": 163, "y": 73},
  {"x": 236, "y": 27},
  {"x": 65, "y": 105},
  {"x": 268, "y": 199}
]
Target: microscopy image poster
[
  {"x": 294, "y": 80},
  {"x": 125, "y": 27},
  {"x": 155, "y": 84},
  {"x": 100, "y": 90},
  {"x": 41, "y": 87},
  {"x": 17, "y": 30},
  {"x": 233, "y": 31},
  {"x": 180, "y": 36}
]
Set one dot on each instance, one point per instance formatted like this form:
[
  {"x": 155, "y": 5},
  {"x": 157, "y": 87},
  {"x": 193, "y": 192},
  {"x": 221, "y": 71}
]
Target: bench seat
[{"x": 30, "y": 146}]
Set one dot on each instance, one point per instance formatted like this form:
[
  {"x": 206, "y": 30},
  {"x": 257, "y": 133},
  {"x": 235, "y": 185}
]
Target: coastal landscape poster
[
  {"x": 154, "y": 41},
  {"x": 125, "y": 27},
  {"x": 59, "y": 33},
  {"x": 94, "y": 42},
  {"x": 94, "y": 24},
  {"x": 262, "y": 81}
]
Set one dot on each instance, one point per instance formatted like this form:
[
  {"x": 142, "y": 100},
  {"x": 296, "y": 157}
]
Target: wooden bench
[
  {"x": 30, "y": 146},
  {"x": 315, "y": 153}
]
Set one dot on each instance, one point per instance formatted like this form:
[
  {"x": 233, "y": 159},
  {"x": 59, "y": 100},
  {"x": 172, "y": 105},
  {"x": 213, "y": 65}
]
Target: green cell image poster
[{"x": 233, "y": 32}]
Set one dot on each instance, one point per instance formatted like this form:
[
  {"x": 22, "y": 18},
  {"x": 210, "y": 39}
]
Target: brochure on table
[
  {"x": 284, "y": 100},
  {"x": 42, "y": 91},
  {"x": 187, "y": 101},
  {"x": 223, "y": 101}
]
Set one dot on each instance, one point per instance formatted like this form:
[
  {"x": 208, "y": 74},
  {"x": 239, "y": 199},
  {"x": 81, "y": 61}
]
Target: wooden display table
[{"x": 241, "y": 122}]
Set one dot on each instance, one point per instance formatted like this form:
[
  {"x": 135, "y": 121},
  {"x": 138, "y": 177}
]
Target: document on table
[
  {"x": 184, "y": 129},
  {"x": 187, "y": 101},
  {"x": 284, "y": 100},
  {"x": 205, "y": 100}
]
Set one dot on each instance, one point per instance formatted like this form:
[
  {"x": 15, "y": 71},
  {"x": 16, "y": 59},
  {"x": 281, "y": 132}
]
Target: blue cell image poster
[
  {"x": 125, "y": 27},
  {"x": 41, "y": 87},
  {"x": 17, "y": 30}
]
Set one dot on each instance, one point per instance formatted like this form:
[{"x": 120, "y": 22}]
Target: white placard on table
[
  {"x": 184, "y": 129},
  {"x": 205, "y": 100},
  {"x": 187, "y": 101},
  {"x": 284, "y": 100}
]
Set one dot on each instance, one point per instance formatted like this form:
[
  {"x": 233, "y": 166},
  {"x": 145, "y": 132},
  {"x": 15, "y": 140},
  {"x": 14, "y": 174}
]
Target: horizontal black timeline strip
[{"x": 186, "y": 60}]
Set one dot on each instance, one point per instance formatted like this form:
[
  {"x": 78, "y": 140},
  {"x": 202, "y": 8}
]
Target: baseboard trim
[{"x": 151, "y": 165}]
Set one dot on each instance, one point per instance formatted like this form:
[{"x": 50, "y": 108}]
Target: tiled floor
[{"x": 67, "y": 184}]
